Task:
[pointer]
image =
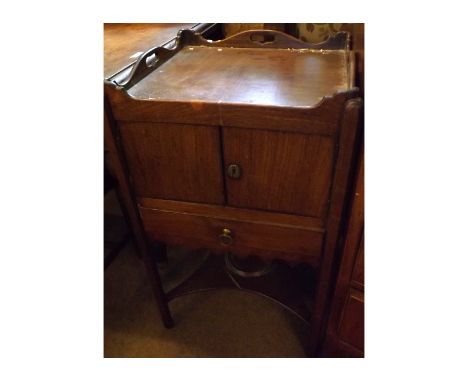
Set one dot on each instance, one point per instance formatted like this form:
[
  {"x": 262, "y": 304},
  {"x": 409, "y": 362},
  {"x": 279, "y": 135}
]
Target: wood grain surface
[
  {"x": 281, "y": 171},
  {"x": 351, "y": 329},
  {"x": 351, "y": 126},
  {"x": 246, "y": 75},
  {"x": 123, "y": 43},
  {"x": 253, "y": 233},
  {"x": 345, "y": 329},
  {"x": 233, "y": 213},
  {"x": 179, "y": 162},
  {"x": 323, "y": 118}
]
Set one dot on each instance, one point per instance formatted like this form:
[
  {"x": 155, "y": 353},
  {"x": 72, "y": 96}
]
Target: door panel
[
  {"x": 279, "y": 171},
  {"x": 174, "y": 161}
]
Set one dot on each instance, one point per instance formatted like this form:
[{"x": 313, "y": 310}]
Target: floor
[{"x": 222, "y": 323}]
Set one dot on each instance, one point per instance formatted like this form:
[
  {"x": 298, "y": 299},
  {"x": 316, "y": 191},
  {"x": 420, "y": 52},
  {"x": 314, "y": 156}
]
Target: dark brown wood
[
  {"x": 247, "y": 75},
  {"x": 120, "y": 172},
  {"x": 261, "y": 217},
  {"x": 356, "y": 31},
  {"x": 157, "y": 55},
  {"x": 322, "y": 119},
  {"x": 358, "y": 271},
  {"x": 178, "y": 162},
  {"x": 256, "y": 233},
  {"x": 345, "y": 329},
  {"x": 135, "y": 71},
  {"x": 273, "y": 39},
  {"x": 358, "y": 48},
  {"x": 296, "y": 181},
  {"x": 351, "y": 122},
  {"x": 153, "y": 59},
  {"x": 351, "y": 328},
  {"x": 304, "y": 90}
]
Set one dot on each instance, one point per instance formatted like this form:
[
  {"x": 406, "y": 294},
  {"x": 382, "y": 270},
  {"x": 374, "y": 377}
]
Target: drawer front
[
  {"x": 174, "y": 161},
  {"x": 278, "y": 171},
  {"x": 222, "y": 230}
]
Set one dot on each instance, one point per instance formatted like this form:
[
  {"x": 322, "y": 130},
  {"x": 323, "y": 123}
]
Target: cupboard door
[
  {"x": 174, "y": 161},
  {"x": 278, "y": 171}
]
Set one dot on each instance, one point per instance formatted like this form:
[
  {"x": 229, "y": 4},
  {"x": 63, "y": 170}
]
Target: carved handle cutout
[
  {"x": 151, "y": 60},
  {"x": 262, "y": 38}
]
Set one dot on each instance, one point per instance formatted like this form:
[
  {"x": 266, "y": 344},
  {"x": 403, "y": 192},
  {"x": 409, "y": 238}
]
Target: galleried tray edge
[{"x": 258, "y": 39}]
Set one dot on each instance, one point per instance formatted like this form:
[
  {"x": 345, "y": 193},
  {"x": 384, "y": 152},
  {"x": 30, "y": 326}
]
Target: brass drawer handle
[{"x": 225, "y": 238}]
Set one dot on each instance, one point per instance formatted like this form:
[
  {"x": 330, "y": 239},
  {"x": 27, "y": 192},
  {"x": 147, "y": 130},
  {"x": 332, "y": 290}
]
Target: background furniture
[
  {"x": 125, "y": 43},
  {"x": 345, "y": 330}
]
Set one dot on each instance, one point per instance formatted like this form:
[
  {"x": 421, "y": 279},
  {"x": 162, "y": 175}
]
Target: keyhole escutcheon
[{"x": 234, "y": 171}]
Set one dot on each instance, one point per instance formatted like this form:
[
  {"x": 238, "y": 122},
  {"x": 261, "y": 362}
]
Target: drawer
[{"x": 242, "y": 232}]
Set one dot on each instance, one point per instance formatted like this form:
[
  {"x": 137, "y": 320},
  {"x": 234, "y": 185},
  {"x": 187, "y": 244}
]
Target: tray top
[
  {"x": 124, "y": 43},
  {"x": 280, "y": 77}
]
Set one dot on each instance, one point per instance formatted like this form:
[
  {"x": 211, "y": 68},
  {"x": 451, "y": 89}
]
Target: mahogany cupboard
[{"x": 243, "y": 145}]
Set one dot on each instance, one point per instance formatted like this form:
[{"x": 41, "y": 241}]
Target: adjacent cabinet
[{"x": 345, "y": 330}]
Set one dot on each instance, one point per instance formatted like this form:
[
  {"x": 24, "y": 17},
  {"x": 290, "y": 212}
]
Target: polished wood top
[
  {"x": 280, "y": 77},
  {"x": 123, "y": 43}
]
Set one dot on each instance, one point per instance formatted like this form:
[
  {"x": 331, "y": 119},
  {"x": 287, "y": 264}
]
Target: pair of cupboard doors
[{"x": 256, "y": 169}]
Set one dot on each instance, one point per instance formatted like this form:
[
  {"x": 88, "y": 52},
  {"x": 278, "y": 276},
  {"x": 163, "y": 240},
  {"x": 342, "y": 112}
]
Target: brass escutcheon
[{"x": 234, "y": 171}]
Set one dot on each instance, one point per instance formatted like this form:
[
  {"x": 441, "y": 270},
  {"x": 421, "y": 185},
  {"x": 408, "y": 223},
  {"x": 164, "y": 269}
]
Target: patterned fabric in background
[
  {"x": 317, "y": 32},
  {"x": 231, "y": 29},
  {"x": 309, "y": 32}
]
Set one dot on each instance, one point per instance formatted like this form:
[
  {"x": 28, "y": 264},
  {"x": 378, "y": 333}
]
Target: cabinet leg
[
  {"x": 159, "y": 294},
  {"x": 134, "y": 219},
  {"x": 166, "y": 316}
]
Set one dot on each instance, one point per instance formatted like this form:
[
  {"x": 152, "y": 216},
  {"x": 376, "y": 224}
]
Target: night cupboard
[{"x": 243, "y": 145}]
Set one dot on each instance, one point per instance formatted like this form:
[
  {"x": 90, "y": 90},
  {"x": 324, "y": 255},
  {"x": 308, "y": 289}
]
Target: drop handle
[
  {"x": 225, "y": 239},
  {"x": 234, "y": 171}
]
